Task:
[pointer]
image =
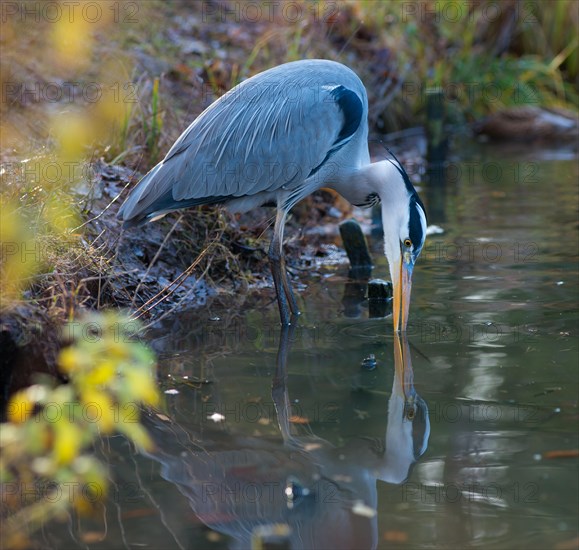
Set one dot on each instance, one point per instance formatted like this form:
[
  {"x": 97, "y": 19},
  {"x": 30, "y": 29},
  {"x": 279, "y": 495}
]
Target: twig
[
  {"x": 167, "y": 289},
  {"x": 115, "y": 199},
  {"x": 177, "y": 305},
  {"x": 152, "y": 262}
]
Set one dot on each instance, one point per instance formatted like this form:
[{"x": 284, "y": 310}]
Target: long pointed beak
[{"x": 402, "y": 283}]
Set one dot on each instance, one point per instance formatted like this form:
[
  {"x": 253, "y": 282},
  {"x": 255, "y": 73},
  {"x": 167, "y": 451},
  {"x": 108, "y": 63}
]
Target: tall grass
[{"x": 484, "y": 55}]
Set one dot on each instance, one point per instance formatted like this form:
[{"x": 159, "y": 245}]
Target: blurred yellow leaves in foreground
[
  {"x": 51, "y": 429},
  {"x": 66, "y": 97}
]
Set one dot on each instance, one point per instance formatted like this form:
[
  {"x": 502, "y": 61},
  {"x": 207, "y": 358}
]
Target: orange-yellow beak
[{"x": 402, "y": 285}]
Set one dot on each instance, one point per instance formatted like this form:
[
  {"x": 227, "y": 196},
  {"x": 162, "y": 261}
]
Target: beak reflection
[{"x": 415, "y": 410}]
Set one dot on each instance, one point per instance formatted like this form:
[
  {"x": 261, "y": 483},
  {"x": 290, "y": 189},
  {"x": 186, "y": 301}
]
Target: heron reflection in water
[
  {"x": 325, "y": 494},
  {"x": 273, "y": 140}
]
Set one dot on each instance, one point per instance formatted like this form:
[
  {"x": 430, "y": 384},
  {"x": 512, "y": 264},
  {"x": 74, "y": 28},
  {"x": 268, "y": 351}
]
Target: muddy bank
[{"x": 178, "y": 263}]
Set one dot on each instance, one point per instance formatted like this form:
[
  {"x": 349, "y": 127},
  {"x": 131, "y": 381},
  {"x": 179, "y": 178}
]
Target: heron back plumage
[{"x": 267, "y": 135}]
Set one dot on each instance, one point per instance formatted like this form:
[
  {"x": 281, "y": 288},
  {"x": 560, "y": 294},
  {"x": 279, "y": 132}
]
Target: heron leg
[
  {"x": 278, "y": 267},
  {"x": 293, "y": 305}
]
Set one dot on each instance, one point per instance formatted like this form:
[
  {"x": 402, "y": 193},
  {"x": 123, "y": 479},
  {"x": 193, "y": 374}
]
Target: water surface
[{"x": 451, "y": 442}]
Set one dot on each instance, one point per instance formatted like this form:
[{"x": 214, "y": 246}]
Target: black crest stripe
[{"x": 352, "y": 109}]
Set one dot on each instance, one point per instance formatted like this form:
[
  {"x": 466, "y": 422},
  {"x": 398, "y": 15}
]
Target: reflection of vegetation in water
[{"x": 46, "y": 465}]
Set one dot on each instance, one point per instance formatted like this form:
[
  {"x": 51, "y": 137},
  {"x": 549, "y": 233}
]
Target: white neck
[
  {"x": 381, "y": 178},
  {"x": 384, "y": 179}
]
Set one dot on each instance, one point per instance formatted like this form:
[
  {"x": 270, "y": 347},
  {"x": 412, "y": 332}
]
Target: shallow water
[{"x": 447, "y": 444}]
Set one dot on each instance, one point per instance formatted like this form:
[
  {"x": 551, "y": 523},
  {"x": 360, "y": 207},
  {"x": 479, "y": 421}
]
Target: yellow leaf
[
  {"x": 72, "y": 359},
  {"x": 142, "y": 387},
  {"x": 20, "y": 407},
  {"x": 72, "y": 42},
  {"x": 67, "y": 442},
  {"x": 99, "y": 409},
  {"x": 19, "y": 253},
  {"x": 118, "y": 350},
  {"x": 73, "y": 132},
  {"x": 103, "y": 373}
]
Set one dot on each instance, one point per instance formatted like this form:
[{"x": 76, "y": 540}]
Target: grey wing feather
[{"x": 269, "y": 132}]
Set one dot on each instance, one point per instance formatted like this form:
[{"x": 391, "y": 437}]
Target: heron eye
[{"x": 407, "y": 243}]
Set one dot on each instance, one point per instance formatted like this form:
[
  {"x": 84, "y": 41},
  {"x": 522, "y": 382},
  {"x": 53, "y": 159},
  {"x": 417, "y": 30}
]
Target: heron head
[{"x": 404, "y": 221}]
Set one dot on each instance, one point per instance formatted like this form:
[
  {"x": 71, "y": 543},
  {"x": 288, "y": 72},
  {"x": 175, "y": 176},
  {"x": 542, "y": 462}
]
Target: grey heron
[{"x": 274, "y": 139}]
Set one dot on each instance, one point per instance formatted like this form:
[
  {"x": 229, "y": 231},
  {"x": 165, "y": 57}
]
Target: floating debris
[
  {"x": 276, "y": 535},
  {"x": 395, "y": 536},
  {"x": 564, "y": 453},
  {"x": 294, "y": 489},
  {"x": 341, "y": 478},
  {"x": 369, "y": 363},
  {"x": 361, "y": 415},
  {"x": 434, "y": 230},
  {"x": 295, "y": 419},
  {"x": 216, "y": 417},
  {"x": 361, "y": 509}
]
